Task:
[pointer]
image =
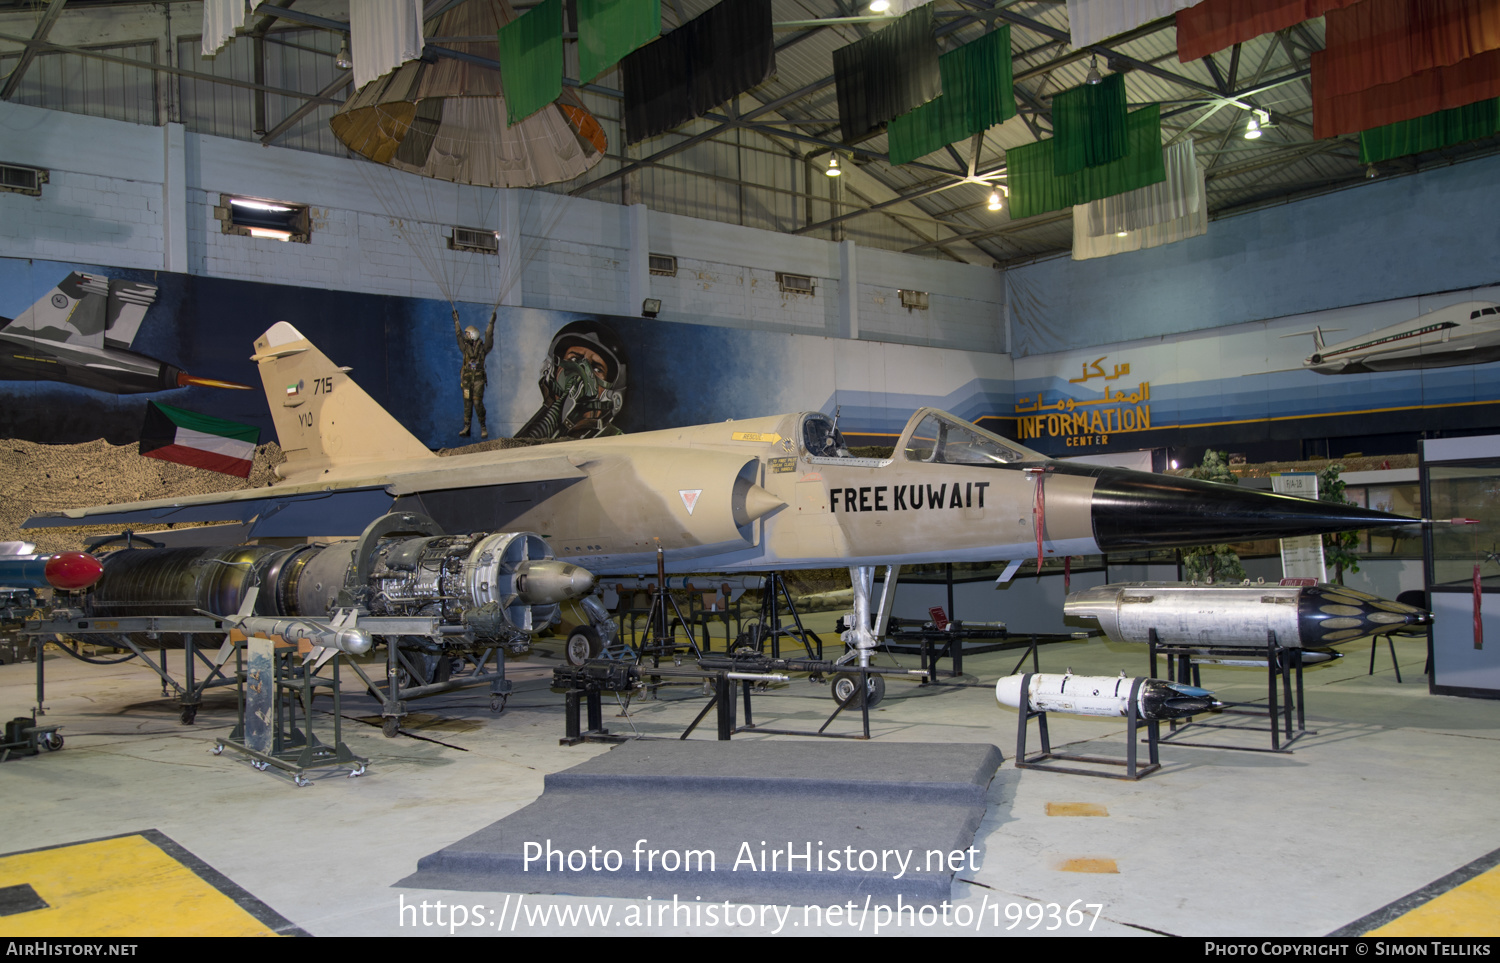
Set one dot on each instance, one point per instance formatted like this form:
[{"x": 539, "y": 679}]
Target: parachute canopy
[{"x": 447, "y": 119}]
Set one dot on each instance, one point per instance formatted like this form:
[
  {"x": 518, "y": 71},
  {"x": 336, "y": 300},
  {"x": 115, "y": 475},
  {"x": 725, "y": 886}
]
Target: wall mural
[
  {"x": 531, "y": 373},
  {"x": 1395, "y": 366}
]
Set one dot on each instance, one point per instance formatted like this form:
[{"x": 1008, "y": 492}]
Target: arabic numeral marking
[{"x": 305, "y": 419}]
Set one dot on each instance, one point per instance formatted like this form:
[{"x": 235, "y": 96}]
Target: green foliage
[
  {"x": 1338, "y": 548},
  {"x": 1216, "y": 563}
]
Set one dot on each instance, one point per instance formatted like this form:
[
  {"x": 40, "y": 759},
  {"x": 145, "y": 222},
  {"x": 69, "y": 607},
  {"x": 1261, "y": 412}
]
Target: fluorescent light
[
  {"x": 259, "y": 205},
  {"x": 268, "y": 232}
]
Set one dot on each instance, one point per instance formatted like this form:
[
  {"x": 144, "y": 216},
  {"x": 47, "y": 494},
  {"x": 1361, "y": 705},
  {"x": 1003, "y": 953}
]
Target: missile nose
[
  {"x": 551, "y": 581},
  {"x": 72, "y": 571},
  {"x": 354, "y": 641},
  {"x": 1008, "y": 691},
  {"x": 1141, "y": 510}
]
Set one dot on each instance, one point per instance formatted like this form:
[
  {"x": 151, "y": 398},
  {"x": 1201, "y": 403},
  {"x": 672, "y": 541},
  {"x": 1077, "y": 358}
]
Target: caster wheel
[
  {"x": 301, "y": 781},
  {"x": 390, "y": 727},
  {"x": 497, "y": 703},
  {"x": 846, "y": 689},
  {"x": 189, "y": 713},
  {"x": 51, "y": 741},
  {"x": 217, "y": 750}
]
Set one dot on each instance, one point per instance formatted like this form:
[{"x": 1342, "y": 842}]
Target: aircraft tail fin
[
  {"x": 1317, "y": 336},
  {"x": 324, "y": 421}
]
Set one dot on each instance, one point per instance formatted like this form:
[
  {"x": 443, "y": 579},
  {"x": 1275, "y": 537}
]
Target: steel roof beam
[{"x": 38, "y": 36}]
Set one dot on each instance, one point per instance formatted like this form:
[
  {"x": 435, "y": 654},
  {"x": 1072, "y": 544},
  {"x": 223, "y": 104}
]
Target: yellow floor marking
[
  {"x": 1470, "y": 909},
  {"x": 1076, "y": 809},
  {"x": 120, "y": 887},
  {"x": 1088, "y": 864}
]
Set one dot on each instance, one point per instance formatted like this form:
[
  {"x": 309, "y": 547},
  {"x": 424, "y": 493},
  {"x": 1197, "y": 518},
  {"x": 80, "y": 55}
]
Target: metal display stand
[
  {"x": 1133, "y": 724},
  {"x": 1283, "y": 666},
  {"x": 776, "y": 597},
  {"x": 274, "y": 694}
]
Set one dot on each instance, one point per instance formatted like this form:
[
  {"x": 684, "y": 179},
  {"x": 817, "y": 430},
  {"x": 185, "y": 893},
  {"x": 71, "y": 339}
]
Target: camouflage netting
[{"x": 39, "y": 478}]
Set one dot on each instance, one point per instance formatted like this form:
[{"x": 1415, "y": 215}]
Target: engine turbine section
[
  {"x": 504, "y": 587},
  {"x": 485, "y": 588}
]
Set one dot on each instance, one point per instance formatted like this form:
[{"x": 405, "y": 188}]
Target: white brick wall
[{"x": 104, "y": 206}]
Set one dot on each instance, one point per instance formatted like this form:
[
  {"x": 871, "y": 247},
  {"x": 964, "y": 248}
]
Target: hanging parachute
[{"x": 446, "y": 119}]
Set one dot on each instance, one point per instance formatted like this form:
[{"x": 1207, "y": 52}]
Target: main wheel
[
  {"x": 846, "y": 689},
  {"x": 583, "y": 644}
]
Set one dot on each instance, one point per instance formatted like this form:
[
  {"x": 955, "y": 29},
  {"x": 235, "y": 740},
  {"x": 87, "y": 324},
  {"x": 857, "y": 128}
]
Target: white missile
[
  {"x": 1104, "y": 696},
  {"x": 1182, "y": 613}
]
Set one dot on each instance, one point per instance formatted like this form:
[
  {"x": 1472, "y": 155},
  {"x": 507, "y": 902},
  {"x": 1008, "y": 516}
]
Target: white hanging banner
[
  {"x": 383, "y": 34},
  {"x": 1149, "y": 216},
  {"x": 1301, "y": 557},
  {"x": 1094, "y": 20},
  {"x": 221, "y": 18}
]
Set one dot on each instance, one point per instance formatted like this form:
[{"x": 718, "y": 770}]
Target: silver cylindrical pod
[{"x": 1184, "y": 613}]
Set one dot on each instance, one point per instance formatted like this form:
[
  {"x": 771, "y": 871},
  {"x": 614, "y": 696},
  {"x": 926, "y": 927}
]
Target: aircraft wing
[{"x": 325, "y": 507}]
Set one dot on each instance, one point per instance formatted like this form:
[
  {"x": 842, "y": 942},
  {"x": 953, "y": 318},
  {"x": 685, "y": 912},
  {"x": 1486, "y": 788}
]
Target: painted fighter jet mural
[{"x": 80, "y": 333}]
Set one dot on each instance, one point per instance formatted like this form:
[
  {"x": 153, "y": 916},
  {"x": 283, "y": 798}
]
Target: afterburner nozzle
[{"x": 551, "y": 581}]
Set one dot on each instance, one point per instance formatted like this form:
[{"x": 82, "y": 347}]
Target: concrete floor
[{"x": 1396, "y": 789}]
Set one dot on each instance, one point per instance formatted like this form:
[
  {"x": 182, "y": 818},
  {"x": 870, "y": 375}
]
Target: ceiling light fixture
[
  {"x": 1093, "y": 77},
  {"x": 1371, "y": 173},
  {"x": 343, "y": 61},
  {"x": 1252, "y": 129},
  {"x": 833, "y": 166},
  {"x": 995, "y": 204},
  {"x": 880, "y": 6},
  {"x": 1257, "y": 123},
  {"x": 1122, "y": 234}
]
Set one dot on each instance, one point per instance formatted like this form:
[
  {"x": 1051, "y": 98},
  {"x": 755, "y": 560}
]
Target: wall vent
[
  {"x": 15, "y": 179},
  {"x": 663, "y": 265},
  {"x": 472, "y": 239},
  {"x": 264, "y": 217},
  {"x": 913, "y": 299},
  {"x": 795, "y": 283}
]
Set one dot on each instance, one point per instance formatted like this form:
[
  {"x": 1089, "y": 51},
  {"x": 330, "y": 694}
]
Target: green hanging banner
[
  {"x": 1442, "y": 129},
  {"x": 977, "y": 94},
  {"x": 531, "y": 60},
  {"x": 608, "y": 30},
  {"x": 1089, "y": 123},
  {"x": 1036, "y": 187}
]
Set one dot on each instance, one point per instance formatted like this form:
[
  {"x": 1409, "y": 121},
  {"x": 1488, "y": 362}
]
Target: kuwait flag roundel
[{"x": 201, "y": 441}]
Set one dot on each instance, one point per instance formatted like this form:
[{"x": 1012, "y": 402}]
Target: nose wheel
[{"x": 845, "y": 689}]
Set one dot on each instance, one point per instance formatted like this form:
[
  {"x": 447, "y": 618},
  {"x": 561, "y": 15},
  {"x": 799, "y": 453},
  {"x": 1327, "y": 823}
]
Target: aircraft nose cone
[
  {"x": 1137, "y": 510},
  {"x": 552, "y": 581}
]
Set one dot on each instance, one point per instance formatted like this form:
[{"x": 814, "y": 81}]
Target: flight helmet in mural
[{"x": 582, "y": 383}]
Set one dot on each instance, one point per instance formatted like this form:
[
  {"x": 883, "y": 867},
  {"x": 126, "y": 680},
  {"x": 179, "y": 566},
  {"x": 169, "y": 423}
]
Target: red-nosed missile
[{"x": 68, "y": 571}]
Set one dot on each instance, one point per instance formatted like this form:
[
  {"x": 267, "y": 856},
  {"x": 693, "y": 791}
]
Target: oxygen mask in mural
[{"x": 582, "y": 384}]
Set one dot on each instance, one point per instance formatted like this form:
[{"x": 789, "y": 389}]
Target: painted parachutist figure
[{"x": 472, "y": 375}]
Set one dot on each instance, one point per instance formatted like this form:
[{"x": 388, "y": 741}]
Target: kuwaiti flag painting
[{"x": 201, "y": 441}]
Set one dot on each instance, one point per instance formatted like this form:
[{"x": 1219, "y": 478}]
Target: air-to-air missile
[
  {"x": 1104, "y": 696},
  {"x": 80, "y": 333},
  {"x": 773, "y": 493},
  {"x": 1311, "y": 616},
  {"x": 68, "y": 571}
]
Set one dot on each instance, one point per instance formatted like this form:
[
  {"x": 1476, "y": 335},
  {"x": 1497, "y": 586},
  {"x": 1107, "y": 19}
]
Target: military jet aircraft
[
  {"x": 1466, "y": 333},
  {"x": 80, "y": 333},
  {"x": 771, "y": 493}
]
